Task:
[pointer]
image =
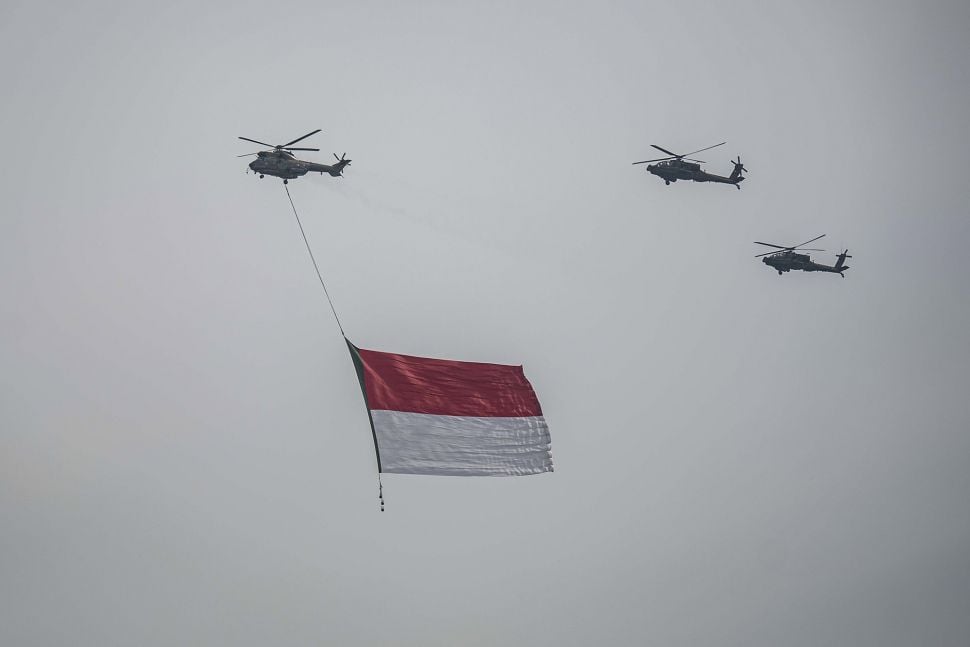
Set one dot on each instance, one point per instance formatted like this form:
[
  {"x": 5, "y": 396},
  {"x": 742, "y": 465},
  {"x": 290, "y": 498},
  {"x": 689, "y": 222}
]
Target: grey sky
[{"x": 742, "y": 458}]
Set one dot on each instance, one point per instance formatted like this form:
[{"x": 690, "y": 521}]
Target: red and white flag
[{"x": 438, "y": 416}]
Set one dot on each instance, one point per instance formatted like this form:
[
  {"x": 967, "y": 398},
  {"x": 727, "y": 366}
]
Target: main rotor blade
[
  {"x": 299, "y": 138},
  {"x": 661, "y": 159},
  {"x": 665, "y": 150},
  {"x": 770, "y": 245},
  {"x": 256, "y": 142},
  {"x": 809, "y": 241},
  {"x": 691, "y": 159},
  {"x": 247, "y": 154},
  {"x": 290, "y": 148},
  {"x": 706, "y": 149},
  {"x": 787, "y": 249}
]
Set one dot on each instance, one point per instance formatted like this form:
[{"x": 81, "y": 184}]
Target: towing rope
[
  {"x": 380, "y": 486},
  {"x": 315, "y": 266}
]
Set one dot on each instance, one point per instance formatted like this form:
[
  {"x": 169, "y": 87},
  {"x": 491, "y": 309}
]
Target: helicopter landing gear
[
  {"x": 286, "y": 182},
  {"x": 779, "y": 272},
  {"x": 667, "y": 182},
  {"x": 260, "y": 176}
]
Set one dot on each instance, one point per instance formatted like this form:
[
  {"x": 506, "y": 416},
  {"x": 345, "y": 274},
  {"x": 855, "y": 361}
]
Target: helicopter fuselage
[
  {"x": 284, "y": 165},
  {"x": 788, "y": 261},
  {"x": 673, "y": 170}
]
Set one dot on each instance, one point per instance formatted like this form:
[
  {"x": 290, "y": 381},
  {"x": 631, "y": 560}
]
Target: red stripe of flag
[{"x": 446, "y": 387}]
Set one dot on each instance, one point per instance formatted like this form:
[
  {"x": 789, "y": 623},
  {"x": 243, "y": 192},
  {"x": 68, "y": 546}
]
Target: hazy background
[{"x": 742, "y": 458}]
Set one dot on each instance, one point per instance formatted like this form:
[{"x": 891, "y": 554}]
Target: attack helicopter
[
  {"x": 681, "y": 167},
  {"x": 787, "y": 259},
  {"x": 280, "y": 162}
]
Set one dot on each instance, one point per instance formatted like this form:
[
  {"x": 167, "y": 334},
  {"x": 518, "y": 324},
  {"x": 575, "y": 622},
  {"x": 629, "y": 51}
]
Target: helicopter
[
  {"x": 280, "y": 162},
  {"x": 787, "y": 259},
  {"x": 681, "y": 167}
]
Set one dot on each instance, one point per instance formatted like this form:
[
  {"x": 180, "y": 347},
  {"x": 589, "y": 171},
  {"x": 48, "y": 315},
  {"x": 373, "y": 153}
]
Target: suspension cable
[{"x": 315, "y": 266}]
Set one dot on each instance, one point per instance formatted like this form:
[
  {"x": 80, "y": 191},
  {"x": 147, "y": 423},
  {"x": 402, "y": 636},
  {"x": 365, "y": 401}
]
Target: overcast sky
[{"x": 741, "y": 458}]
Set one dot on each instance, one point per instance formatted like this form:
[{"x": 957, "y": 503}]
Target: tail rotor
[
  {"x": 840, "y": 265},
  {"x": 736, "y": 176},
  {"x": 342, "y": 162}
]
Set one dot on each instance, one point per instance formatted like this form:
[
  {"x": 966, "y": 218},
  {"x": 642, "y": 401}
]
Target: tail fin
[
  {"x": 840, "y": 266},
  {"x": 738, "y": 168}
]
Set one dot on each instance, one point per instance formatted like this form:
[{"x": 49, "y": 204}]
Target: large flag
[{"x": 438, "y": 416}]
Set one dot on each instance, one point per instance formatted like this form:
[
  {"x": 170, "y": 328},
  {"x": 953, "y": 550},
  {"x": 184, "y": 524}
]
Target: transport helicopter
[
  {"x": 280, "y": 162},
  {"x": 788, "y": 259},
  {"x": 681, "y": 167}
]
